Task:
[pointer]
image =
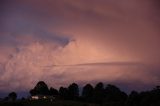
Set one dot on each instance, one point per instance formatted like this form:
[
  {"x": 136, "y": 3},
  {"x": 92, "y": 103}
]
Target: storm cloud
[{"x": 64, "y": 41}]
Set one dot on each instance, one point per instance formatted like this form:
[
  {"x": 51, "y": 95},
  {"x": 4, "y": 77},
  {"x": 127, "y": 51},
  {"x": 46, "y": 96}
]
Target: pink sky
[{"x": 83, "y": 41}]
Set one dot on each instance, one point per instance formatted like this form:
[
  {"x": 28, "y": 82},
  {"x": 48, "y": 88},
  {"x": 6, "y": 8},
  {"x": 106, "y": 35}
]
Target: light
[
  {"x": 35, "y": 97},
  {"x": 44, "y": 97}
]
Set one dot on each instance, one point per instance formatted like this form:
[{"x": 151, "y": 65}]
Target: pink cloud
[{"x": 39, "y": 39}]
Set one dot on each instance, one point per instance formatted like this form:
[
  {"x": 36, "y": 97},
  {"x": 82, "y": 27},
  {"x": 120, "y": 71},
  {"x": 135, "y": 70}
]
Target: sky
[{"x": 82, "y": 41}]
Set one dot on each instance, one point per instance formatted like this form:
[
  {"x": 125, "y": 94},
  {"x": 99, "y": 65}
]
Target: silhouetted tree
[
  {"x": 133, "y": 99},
  {"x": 98, "y": 93},
  {"x": 109, "y": 96},
  {"x": 53, "y": 91},
  {"x": 40, "y": 89},
  {"x": 155, "y": 96},
  {"x": 87, "y": 92},
  {"x": 33, "y": 92},
  {"x": 63, "y": 92},
  {"x": 73, "y": 91},
  {"x": 12, "y": 96},
  {"x": 145, "y": 98},
  {"x": 114, "y": 94},
  {"x": 150, "y": 98}
]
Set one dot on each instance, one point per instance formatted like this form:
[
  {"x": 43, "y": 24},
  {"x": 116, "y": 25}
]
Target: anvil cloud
[{"x": 83, "y": 41}]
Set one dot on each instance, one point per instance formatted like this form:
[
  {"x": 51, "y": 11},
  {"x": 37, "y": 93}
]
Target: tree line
[{"x": 109, "y": 95}]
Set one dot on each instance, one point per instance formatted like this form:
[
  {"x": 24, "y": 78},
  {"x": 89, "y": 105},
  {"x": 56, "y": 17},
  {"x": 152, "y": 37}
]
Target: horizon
[{"x": 27, "y": 94}]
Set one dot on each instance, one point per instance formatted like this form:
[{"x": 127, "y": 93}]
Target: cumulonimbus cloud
[{"x": 65, "y": 41}]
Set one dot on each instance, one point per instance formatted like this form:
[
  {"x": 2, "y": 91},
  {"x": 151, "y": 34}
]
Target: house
[{"x": 42, "y": 97}]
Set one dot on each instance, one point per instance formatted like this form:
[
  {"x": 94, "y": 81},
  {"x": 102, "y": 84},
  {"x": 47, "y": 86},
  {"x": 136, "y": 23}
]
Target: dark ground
[{"x": 46, "y": 103}]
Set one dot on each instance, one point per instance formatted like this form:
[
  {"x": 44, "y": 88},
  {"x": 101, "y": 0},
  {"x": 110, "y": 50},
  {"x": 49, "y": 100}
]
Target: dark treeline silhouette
[
  {"x": 11, "y": 97},
  {"x": 40, "y": 89},
  {"x": 109, "y": 95}
]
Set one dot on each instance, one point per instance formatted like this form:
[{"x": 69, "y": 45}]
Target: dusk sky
[{"x": 82, "y": 41}]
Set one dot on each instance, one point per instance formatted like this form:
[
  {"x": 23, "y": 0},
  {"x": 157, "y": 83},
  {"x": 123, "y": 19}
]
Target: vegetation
[
  {"x": 100, "y": 95},
  {"x": 12, "y": 96}
]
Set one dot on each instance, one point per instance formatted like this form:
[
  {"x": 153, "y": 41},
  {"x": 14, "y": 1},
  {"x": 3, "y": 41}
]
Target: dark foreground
[
  {"x": 65, "y": 103},
  {"x": 46, "y": 103},
  {"x": 99, "y": 95}
]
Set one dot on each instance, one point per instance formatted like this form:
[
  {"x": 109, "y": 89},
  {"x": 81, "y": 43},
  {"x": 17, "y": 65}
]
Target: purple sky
[{"x": 82, "y": 41}]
